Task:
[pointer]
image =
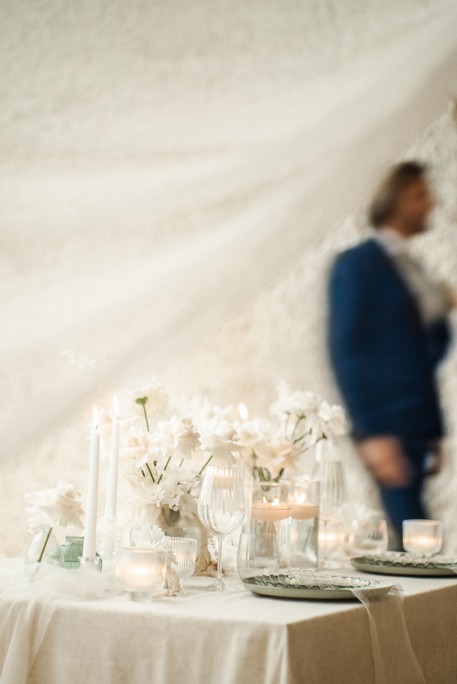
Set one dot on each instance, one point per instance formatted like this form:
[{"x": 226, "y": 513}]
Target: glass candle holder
[
  {"x": 331, "y": 542},
  {"x": 304, "y": 524},
  {"x": 267, "y": 529},
  {"x": 366, "y": 536},
  {"x": 423, "y": 537},
  {"x": 185, "y": 553},
  {"x": 141, "y": 571}
]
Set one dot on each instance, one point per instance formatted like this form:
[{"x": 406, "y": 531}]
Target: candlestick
[{"x": 90, "y": 533}]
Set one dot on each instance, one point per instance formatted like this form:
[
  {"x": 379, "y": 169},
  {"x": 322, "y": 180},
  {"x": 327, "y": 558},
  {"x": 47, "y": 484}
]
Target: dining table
[{"x": 50, "y": 635}]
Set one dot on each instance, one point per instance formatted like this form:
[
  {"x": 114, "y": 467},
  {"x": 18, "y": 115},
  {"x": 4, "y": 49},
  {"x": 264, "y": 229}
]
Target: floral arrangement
[{"x": 167, "y": 444}]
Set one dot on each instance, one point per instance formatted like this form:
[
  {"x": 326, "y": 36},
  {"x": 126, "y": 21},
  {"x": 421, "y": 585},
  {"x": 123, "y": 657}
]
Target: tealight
[
  {"x": 274, "y": 511},
  {"x": 141, "y": 571},
  {"x": 423, "y": 537}
]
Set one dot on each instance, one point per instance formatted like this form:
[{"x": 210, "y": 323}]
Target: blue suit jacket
[{"x": 383, "y": 356}]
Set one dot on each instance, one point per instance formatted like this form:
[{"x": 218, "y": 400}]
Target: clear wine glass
[{"x": 221, "y": 507}]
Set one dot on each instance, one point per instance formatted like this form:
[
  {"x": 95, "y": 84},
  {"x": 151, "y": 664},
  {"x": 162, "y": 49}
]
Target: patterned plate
[
  {"x": 309, "y": 585},
  {"x": 396, "y": 563}
]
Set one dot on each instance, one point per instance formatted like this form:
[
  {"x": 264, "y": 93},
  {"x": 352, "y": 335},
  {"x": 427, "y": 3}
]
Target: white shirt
[{"x": 431, "y": 296}]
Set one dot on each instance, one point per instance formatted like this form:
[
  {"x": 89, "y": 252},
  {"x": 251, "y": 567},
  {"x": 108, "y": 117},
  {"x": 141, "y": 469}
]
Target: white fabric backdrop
[{"x": 162, "y": 165}]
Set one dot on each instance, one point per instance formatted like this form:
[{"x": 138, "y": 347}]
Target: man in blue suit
[{"x": 388, "y": 332}]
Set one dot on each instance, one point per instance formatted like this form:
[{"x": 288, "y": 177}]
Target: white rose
[{"x": 55, "y": 507}]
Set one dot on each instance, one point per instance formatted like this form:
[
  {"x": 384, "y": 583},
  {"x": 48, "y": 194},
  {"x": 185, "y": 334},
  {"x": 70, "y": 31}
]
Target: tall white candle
[
  {"x": 90, "y": 532},
  {"x": 111, "y": 490}
]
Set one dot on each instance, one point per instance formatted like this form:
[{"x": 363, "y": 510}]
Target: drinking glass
[
  {"x": 221, "y": 507},
  {"x": 331, "y": 533},
  {"x": 304, "y": 524},
  {"x": 332, "y": 487},
  {"x": 367, "y": 536},
  {"x": 185, "y": 553}
]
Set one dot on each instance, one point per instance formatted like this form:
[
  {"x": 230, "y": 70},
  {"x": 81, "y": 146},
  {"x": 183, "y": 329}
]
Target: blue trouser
[{"x": 405, "y": 503}]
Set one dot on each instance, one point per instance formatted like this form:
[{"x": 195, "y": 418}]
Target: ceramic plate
[
  {"x": 392, "y": 563},
  {"x": 312, "y": 586}
]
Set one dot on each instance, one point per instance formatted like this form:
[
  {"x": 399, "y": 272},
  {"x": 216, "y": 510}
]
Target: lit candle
[
  {"x": 424, "y": 537},
  {"x": 141, "y": 571},
  {"x": 304, "y": 511},
  {"x": 90, "y": 532},
  {"x": 421, "y": 545},
  {"x": 270, "y": 512}
]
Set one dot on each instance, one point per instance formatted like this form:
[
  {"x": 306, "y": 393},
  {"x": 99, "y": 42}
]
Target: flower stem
[
  {"x": 44, "y": 545},
  {"x": 202, "y": 469},
  {"x": 161, "y": 474},
  {"x": 142, "y": 401},
  {"x": 146, "y": 417},
  {"x": 150, "y": 473},
  {"x": 294, "y": 431}
]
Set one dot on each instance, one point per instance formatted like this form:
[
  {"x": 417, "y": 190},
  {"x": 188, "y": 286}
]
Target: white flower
[
  {"x": 176, "y": 436},
  {"x": 55, "y": 507},
  {"x": 137, "y": 445},
  {"x": 252, "y": 432},
  {"x": 220, "y": 442},
  {"x": 295, "y": 403},
  {"x": 157, "y": 404},
  {"x": 307, "y": 417},
  {"x": 331, "y": 421}
]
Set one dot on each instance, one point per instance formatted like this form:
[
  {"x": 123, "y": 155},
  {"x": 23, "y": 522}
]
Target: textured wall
[
  {"x": 280, "y": 336},
  {"x": 160, "y": 163}
]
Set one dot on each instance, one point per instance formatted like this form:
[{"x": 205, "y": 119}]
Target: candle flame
[
  {"x": 300, "y": 499},
  {"x": 244, "y": 413},
  {"x": 115, "y": 406},
  {"x": 275, "y": 501}
]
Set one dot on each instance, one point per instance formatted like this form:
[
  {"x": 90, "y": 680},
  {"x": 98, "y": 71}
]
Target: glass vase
[
  {"x": 44, "y": 548},
  {"x": 264, "y": 545},
  {"x": 304, "y": 524},
  {"x": 72, "y": 551}
]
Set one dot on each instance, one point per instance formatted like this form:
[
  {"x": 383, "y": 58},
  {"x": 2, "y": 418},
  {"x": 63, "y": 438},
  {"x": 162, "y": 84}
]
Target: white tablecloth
[{"x": 231, "y": 637}]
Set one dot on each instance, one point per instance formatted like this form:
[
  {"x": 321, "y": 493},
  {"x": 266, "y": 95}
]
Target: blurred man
[{"x": 388, "y": 332}]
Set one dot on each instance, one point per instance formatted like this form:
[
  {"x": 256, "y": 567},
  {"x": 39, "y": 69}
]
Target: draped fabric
[{"x": 165, "y": 163}]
